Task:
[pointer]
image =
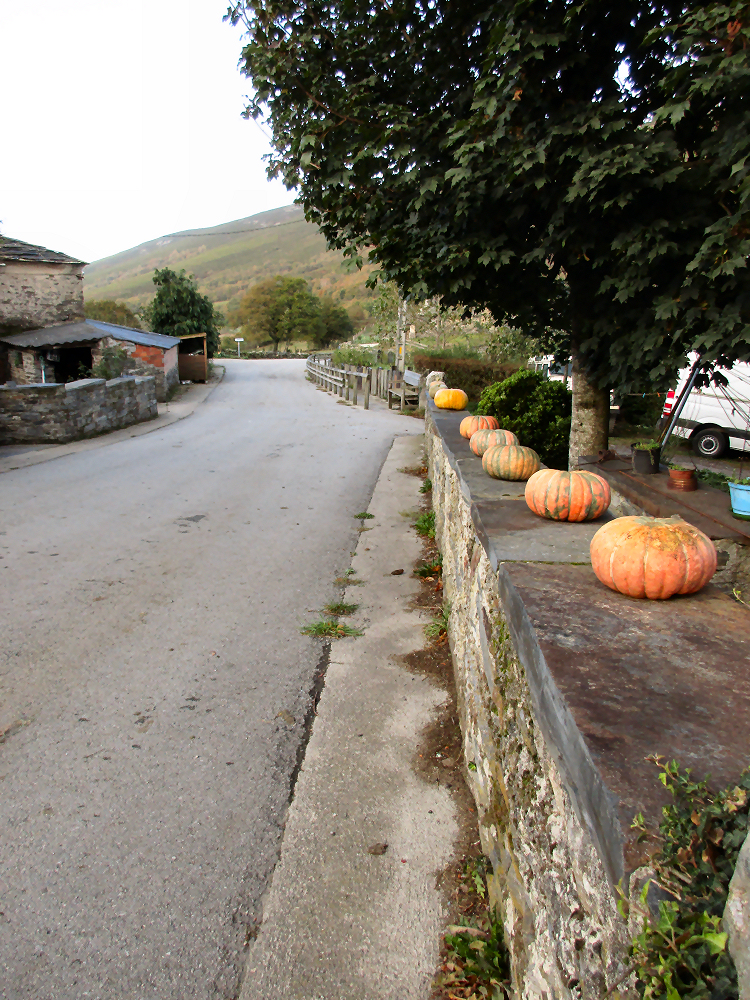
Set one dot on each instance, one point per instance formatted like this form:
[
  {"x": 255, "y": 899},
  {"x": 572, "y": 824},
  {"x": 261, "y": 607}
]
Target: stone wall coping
[
  {"x": 122, "y": 380},
  {"x": 49, "y": 387},
  {"x": 612, "y": 679},
  {"x": 84, "y": 383}
]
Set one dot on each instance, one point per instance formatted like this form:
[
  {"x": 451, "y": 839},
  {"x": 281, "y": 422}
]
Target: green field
[{"x": 227, "y": 259}]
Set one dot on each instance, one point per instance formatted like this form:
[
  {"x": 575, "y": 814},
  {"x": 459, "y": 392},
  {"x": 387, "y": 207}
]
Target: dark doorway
[{"x": 70, "y": 363}]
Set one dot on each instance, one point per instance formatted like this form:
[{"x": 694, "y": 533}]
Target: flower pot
[
  {"x": 740, "y": 497},
  {"x": 646, "y": 462},
  {"x": 682, "y": 479}
]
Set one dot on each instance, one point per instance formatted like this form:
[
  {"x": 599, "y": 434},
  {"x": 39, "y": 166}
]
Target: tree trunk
[{"x": 589, "y": 428}]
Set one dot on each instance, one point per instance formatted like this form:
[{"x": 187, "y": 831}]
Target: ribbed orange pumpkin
[
  {"x": 451, "y": 399},
  {"x": 480, "y": 441},
  {"x": 510, "y": 461},
  {"x": 471, "y": 424},
  {"x": 567, "y": 496},
  {"x": 653, "y": 557}
]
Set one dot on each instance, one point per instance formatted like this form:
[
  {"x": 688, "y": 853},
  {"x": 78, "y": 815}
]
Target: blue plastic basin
[{"x": 740, "y": 496}]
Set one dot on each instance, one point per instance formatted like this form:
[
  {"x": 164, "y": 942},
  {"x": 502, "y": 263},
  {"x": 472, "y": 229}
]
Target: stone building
[
  {"x": 38, "y": 287},
  {"x": 69, "y": 351}
]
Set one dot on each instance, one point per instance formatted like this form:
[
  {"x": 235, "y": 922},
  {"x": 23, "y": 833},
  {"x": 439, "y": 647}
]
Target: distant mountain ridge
[{"x": 227, "y": 259}]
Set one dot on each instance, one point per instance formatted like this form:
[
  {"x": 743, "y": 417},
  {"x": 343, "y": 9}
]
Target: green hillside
[{"x": 227, "y": 259}]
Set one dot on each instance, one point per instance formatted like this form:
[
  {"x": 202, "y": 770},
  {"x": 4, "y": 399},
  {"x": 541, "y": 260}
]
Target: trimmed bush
[
  {"x": 536, "y": 410},
  {"x": 471, "y": 375}
]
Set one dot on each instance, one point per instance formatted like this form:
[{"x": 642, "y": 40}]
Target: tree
[
  {"x": 109, "y": 311},
  {"x": 576, "y": 167},
  {"x": 337, "y": 322},
  {"x": 178, "y": 309},
  {"x": 281, "y": 309}
]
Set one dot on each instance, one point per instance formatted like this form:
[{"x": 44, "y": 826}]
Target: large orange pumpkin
[
  {"x": 480, "y": 441},
  {"x": 451, "y": 399},
  {"x": 653, "y": 557},
  {"x": 567, "y": 496},
  {"x": 471, "y": 424},
  {"x": 510, "y": 461}
]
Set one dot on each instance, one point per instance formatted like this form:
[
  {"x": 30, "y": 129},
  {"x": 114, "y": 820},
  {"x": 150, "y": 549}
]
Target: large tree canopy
[
  {"x": 285, "y": 309},
  {"x": 109, "y": 311},
  {"x": 570, "y": 165},
  {"x": 178, "y": 308}
]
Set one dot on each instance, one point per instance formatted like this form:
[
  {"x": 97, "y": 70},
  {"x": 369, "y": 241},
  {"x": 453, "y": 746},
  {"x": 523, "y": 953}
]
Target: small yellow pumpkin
[
  {"x": 436, "y": 387},
  {"x": 451, "y": 399},
  {"x": 510, "y": 461}
]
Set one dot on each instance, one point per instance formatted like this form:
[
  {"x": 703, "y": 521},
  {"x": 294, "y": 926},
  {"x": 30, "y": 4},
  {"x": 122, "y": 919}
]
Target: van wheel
[{"x": 709, "y": 444}]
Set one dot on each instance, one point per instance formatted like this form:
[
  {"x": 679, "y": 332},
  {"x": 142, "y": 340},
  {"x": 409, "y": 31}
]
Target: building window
[{"x": 17, "y": 358}]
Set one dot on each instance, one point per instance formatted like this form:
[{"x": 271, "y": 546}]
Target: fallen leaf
[
  {"x": 396, "y": 572},
  {"x": 286, "y": 716},
  {"x": 377, "y": 849}
]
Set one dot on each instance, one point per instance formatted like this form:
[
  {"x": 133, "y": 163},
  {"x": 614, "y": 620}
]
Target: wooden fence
[{"x": 348, "y": 381}]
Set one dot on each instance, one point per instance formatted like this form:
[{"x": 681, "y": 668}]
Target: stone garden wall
[
  {"x": 564, "y": 690},
  {"x": 36, "y": 414}
]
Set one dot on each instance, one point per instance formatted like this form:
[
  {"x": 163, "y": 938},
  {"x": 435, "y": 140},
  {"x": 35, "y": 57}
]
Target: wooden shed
[{"x": 192, "y": 359}]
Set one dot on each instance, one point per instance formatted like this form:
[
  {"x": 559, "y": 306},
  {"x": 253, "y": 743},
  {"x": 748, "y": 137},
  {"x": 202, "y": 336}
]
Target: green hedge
[
  {"x": 471, "y": 375},
  {"x": 536, "y": 410}
]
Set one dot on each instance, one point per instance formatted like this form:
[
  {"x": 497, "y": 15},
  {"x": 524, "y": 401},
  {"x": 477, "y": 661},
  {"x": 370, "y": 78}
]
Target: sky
[{"x": 121, "y": 122}]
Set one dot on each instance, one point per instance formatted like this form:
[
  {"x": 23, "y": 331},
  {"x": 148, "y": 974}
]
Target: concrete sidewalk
[
  {"x": 341, "y": 923},
  {"x": 21, "y": 456}
]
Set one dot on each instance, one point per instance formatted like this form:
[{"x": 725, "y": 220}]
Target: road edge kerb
[{"x": 113, "y": 437}]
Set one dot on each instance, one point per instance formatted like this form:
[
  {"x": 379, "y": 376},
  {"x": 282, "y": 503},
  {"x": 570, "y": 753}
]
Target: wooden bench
[{"x": 405, "y": 389}]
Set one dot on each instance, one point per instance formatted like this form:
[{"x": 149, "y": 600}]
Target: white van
[{"x": 717, "y": 418}]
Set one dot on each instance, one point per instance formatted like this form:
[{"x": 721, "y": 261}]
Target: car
[{"x": 715, "y": 418}]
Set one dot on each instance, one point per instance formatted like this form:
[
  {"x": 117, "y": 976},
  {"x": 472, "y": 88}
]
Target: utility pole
[{"x": 401, "y": 334}]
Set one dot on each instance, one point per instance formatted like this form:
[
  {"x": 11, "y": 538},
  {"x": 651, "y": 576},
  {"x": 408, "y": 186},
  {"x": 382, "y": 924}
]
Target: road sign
[{"x": 238, "y": 341}]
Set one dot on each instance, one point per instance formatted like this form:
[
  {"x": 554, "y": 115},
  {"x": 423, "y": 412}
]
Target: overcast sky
[{"x": 121, "y": 122}]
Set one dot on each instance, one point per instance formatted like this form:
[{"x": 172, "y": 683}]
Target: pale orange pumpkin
[
  {"x": 471, "y": 424},
  {"x": 510, "y": 461},
  {"x": 435, "y": 387},
  {"x": 653, "y": 557},
  {"x": 567, "y": 496},
  {"x": 451, "y": 399},
  {"x": 480, "y": 441}
]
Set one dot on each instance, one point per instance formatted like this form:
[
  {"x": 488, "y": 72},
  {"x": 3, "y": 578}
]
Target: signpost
[{"x": 238, "y": 341}]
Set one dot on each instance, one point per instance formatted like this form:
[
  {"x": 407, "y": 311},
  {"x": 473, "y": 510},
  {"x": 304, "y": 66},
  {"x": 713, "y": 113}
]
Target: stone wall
[
  {"x": 35, "y": 414},
  {"x": 557, "y": 900},
  {"x": 34, "y": 295},
  {"x": 565, "y": 689},
  {"x": 147, "y": 361}
]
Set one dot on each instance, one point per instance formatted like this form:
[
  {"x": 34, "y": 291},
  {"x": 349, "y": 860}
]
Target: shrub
[
  {"x": 535, "y": 409},
  {"x": 471, "y": 375},
  {"x": 111, "y": 364},
  {"x": 354, "y": 356}
]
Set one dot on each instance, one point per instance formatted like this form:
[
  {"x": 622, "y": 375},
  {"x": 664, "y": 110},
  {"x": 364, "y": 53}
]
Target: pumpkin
[
  {"x": 451, "y": 399},
  {"x": 471, "y": 424},
  {"x": 653, "y": 557},
  {"x": 480, "y": 441},
  {"x": 436, "y": 387},
  {"x": 510, "y": 461},
  {"x": 567, "y": 496}
]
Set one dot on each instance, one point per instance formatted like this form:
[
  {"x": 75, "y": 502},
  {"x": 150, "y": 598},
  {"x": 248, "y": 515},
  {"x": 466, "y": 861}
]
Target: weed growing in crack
[
  {"x": 329, "y": 628},
  {"x": 438, "y": 627},
  {"x": 364, "y": 516},
  {"x": 340, "y": 608},
  {"x": 426, "y": 486},
  {"x": 429, "y": 569},
  {"x": 425, "y": 524}
]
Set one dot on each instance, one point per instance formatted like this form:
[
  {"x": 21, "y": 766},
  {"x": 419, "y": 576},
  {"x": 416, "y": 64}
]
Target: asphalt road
[{"x": 154, "y": 683}]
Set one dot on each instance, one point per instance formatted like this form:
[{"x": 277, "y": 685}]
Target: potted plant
[
  {"x": 646, "y": 455},
  {"x": 739, "y": 493},
  {"x": 681, "y": 478}
]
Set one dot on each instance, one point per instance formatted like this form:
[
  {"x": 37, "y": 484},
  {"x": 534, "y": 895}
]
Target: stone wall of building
[
  {"x": 145, "y": 360},
  {"x": 34, "y": 295},
  {"x": 36, "y": 414},
  {"x": 556, "y": 896}
]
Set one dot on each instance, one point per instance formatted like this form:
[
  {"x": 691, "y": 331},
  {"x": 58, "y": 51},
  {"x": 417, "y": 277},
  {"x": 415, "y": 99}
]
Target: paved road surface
[{"x": 154, "y": 684}]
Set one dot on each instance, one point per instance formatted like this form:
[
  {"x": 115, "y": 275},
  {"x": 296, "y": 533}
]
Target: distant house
[
  {"x": 44, "y": 335},
  {"x": 67, "y": 351}
]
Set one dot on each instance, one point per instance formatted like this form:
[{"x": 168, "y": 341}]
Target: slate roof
[
  {"x": 18, "y": 250},
  {"x": 87, "y": 329}
]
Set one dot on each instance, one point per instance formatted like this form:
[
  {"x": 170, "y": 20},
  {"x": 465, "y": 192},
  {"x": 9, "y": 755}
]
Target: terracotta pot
[{"x": 683, "y": 479}]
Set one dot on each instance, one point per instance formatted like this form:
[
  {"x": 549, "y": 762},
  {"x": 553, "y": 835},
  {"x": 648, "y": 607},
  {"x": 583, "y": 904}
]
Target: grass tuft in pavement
[
  {"x": 340, "y": 608},
  {"x": 329, "y": 628}
]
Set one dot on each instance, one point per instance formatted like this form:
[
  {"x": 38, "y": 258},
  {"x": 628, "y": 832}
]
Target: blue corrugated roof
[{"x": 88, "y": 329}]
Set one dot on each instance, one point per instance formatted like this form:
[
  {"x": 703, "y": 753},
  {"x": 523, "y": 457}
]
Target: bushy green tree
[
  {"x": 109, "y": 311},
  {"x": 577, "y": 166},
  {"x": 536, "y": 410},
  {"x": 178, "y": 309},
  {"x": 336, "y": 320},
  {"x": 282, "y": 309}
]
